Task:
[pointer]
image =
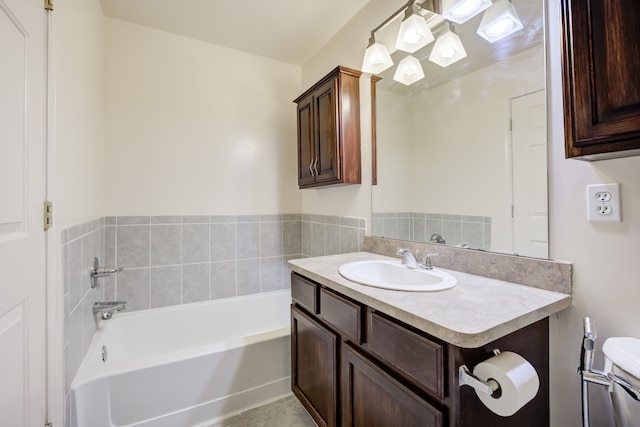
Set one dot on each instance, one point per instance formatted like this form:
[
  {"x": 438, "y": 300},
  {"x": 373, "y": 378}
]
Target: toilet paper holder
[{"x": 465, "y": 377}]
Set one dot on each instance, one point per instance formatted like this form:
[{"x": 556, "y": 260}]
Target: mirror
[{"x": 462, "y": 153}]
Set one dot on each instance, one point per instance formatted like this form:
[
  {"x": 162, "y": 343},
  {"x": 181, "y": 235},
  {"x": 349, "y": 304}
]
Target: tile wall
[
  {"x": 474, "y": 231},
  {"x": 170, "y": 260}
]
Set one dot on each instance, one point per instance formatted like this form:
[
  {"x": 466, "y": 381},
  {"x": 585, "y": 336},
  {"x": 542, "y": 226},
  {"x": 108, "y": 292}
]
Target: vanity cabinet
[
  {"x": 601, "y": 85},
  {"x": 353, "y": 366},
  {"x": 328, "y": 116}
]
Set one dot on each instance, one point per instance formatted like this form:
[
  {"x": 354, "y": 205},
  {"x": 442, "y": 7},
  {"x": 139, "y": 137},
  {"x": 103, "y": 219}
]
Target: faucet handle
[{"x": 426, "y": 261}]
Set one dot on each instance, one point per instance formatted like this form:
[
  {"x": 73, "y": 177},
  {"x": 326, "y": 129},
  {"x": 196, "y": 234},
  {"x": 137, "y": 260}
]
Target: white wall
[
  {"x": 78, "y": 67},
  {"x": 346, "y": 49},
  {"x": 196, "y": 129},
  {"x": 76, "y": 154},
  {"x": 605, "y": 256},
  {"x": 605, "y": 259}
]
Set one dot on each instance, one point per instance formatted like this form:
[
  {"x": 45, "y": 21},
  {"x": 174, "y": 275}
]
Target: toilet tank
[{"x": 622, "y": 358}]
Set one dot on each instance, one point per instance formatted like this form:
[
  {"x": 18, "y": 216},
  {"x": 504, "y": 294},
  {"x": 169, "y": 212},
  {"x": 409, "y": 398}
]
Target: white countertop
[{"x": 474, "y": 313}]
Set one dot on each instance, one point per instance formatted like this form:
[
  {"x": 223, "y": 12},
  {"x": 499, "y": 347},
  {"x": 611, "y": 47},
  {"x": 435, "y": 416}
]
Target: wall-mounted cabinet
[
  {"x": 329, "y": 130},
  {"x": 601, "y": 79}
]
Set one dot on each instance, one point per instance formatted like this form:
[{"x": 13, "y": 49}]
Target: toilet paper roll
[{"x": 519, "y": 382}]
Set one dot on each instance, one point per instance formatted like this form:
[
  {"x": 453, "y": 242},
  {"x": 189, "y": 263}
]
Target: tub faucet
[{"x": 107, "y": 308}]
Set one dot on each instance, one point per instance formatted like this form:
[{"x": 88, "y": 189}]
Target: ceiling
[{"x": 291, "y": 31}]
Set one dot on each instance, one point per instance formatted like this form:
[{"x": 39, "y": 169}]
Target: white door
[
  {"x": 529, "y": 140},
  {"x": 22, "y": 242}
]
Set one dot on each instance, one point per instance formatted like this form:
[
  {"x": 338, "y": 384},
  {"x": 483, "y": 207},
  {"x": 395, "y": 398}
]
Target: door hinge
[
  {"x": 48, "y": 4},
  {"x": 48, "y": 215}
]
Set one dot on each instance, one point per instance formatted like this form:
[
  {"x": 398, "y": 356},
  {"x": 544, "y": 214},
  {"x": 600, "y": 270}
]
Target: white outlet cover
[{"x": 596, "y": 207}]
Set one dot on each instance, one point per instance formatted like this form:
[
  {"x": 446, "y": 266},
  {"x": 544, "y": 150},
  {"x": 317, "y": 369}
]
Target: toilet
[{"x": 622, "y": 359}]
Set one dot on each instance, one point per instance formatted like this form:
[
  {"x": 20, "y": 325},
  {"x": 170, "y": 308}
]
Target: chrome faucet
[
  {"x": 408, "y": 258},
  {"x": 107, "y": 308},
  {"x": 97, "y": 272},
  {"x": 437, "y": 239}
]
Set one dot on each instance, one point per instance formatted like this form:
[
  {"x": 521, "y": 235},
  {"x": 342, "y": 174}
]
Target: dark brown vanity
[{"x": 358, "y": 365}]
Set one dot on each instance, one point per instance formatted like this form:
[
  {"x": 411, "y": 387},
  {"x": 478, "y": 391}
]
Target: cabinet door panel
[
  {"x": 325, "y": 113},
  {"x": 371, "y": 398},
  {"x": 602, "y": 90},
  {"x": 314, "y": 370},
  {"x": 305, "y": 141}
]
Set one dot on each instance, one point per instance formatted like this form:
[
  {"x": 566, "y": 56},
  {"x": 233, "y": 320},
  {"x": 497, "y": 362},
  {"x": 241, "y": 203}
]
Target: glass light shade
[
  {"x": 414, "y": 33},
  {"x": 447, "y": 50},
  {"x": 460, "y": 11},
  {"x": 376, "y": 59},
  {"x": 499, "y": 21},
  {"x": 409, "y": 71}
]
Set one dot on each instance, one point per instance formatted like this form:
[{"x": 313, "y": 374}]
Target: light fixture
[
  {"x": 409, "y": 71},
  {"x": 460, "y": 11},
  {"x": 376, "y": 57},
  {"x": 448, "y": 49},
  {"x": 414, "y": 32},
  {"x": 500, "y": 20}
]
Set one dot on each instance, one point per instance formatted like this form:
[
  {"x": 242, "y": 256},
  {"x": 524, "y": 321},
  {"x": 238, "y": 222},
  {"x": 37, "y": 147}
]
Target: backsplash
[
  {"x": 474, "y": 231},
  {"x": 539, "y": 273},
  {"x": 170, "y": 260}
]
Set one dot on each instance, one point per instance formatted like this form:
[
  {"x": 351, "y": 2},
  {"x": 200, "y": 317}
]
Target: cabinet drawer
[
  {"x": 417, "y": 359},
  {"x": 344, "y": 315},
  {"x": 304, "y": 292}
]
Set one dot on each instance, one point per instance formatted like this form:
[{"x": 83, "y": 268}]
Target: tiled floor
[{"x": 287, "y": 412}]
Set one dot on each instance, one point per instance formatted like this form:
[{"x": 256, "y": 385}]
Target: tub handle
[{"x": 97, "y": 272}]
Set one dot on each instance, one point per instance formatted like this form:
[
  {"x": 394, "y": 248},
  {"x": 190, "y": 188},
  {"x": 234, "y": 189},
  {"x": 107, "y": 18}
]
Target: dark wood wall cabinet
[
  {"x": 329, "y": 130},
  {"x": 601, "y": 78},
  {"x": 355, "y": 366}
]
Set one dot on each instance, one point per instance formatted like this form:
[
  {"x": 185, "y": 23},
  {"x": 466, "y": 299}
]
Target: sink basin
[{"x": 394, "y": 275}]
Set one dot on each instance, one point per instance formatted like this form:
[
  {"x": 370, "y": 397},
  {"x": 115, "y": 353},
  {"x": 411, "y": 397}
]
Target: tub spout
[{"x": 107, "y": 308}]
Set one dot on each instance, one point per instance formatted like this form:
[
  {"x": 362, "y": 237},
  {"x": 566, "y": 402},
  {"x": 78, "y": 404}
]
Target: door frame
[{"x": 54, "y": 285}]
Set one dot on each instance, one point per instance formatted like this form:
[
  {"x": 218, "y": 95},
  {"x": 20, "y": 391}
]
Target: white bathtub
[{"x": 187, "y": 365}]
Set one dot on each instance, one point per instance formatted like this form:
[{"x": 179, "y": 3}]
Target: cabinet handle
[
  {"x": 311, "y": 167},
  {"x": 315, "y": 166}
]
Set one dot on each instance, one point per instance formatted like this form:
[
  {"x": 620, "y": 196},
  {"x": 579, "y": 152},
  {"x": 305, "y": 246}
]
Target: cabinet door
[
  {"x": 372, "y": 398},
  {"x": 327, "y": 166},
  {"x": 306, "y": 144},
  {"x": 601, "y": 84},
  {"x": 314, "y": 370}
]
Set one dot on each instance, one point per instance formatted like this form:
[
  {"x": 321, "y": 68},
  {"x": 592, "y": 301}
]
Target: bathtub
[{"x": 187, "y": 365}]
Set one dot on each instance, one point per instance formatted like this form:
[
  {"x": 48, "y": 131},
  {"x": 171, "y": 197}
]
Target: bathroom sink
[{"x": 394, "y": 275}]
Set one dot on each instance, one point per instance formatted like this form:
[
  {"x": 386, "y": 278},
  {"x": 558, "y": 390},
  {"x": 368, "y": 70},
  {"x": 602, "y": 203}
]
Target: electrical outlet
[
  {"x": 603, "y": 196},
  {"x": 603, "y": 203}
]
